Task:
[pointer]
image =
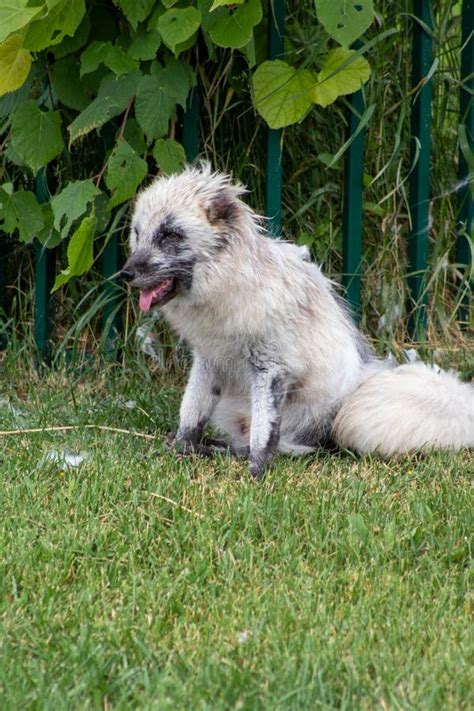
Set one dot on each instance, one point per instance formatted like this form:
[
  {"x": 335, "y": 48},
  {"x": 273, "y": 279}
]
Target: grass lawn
[{"x": 137, "y": 580}]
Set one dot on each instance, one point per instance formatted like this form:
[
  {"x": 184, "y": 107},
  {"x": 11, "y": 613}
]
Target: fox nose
[{"x": 127, "y": 274}]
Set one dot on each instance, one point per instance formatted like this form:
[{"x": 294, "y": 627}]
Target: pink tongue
[{"x": 146, "y": 297}]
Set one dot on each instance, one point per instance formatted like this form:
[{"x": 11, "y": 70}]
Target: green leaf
[
  {"x": 177, "y": 25},
  {"x": 36, "y": 135},
  {"x": 187, "y": 44},
  {"x": 169, "y": 155},
  {"x": 220, "y": 3},
  {"x": 133, "y": 134},
  {"x": 345, "y": 20},
  {"x": 178, "y": 78},
  {"x": 48, "y": 236},
  {"x": 21, "y": 211},
  {"x": 125, "y": 172},
  {"x": 78, "y": 39},
  {"x": 94, "y": 116},
  {"x": 119, "y": 89},
  {"x": 144, "y": 44},
  {"x": 112, "y": 100},
  {"x": 343, "y": 73},
  {"x": 12, "y": 99},
  {"x": 15, "y": 64},
  {"x": 281, "y": 93},
  {"x": 71, "y": 203},
  {"x": 80, "y": 252},
  {"x": 106, "y": 53},
  {"x": 94, "y": 54},
  {"x": 66, "y": 82},
  {"x": 233, "y": 27},
  {"x": 63, "y": 18},
  {"x": 14, "y": 14},
  {"x": 154, "y": 105},
  {"x": 135, "y": 10}
]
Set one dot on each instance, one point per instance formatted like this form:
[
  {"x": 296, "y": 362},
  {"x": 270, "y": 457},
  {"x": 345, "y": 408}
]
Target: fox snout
[
  {"x": 159, "y": 278},
  {"x": 127, "y": 274},
  {"x": 139, "y": 269}
]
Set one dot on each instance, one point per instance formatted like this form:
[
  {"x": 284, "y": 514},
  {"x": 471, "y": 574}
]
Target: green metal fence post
[
  {"x": 191, "y": 125},
  {"x": 45, "y": 262},
  {"x": 466, "y": 119},
  {"x": 353, "y": 206},
  {"x": 273, "y": 174},
  {"x": 422, "y": 58}
]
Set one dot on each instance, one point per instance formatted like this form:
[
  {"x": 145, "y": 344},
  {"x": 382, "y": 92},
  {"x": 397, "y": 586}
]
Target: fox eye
[{"x": 164, "y": 237}]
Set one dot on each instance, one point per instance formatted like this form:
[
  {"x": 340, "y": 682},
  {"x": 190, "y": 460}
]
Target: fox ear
[{"x": 222, "y": 209}]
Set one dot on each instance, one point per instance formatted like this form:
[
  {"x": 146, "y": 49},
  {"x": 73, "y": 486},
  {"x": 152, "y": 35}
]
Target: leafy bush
[
  {"x": 93, "y": 104},
  {"x": 98, "y": 89}
]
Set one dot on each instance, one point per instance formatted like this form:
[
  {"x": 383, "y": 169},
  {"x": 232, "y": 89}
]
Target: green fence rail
[{"x": 419, "y": 195}]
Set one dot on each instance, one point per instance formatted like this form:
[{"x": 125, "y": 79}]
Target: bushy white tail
[{"x": 405, "y": 409}]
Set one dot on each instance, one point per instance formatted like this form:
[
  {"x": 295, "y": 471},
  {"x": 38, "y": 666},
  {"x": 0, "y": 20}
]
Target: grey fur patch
[
  {"x": 259, "y": 459},
  {"x": 318, "y": 433},
  {"x": 191, "y": 435},
  {"x": 169, "y": 237}
]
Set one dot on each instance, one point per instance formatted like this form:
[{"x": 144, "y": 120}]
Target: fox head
[{"x": 181, "y": 225}]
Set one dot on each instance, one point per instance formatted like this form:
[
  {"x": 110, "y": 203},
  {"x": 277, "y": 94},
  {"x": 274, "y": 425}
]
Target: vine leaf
[
  {"x": 154, "y": 105},
  {"x": 125, "y": 172},
  {"x": 80, "y": 252},
  {"x": 345, "y": 20},
  {"x": 36, "y": 135},
  {"x": 106, "y": 53},
  {"x": 281, "y": 93},
  {"x": 133, "y": 134},
  {"x": 112, "y": 100},
  {"x": 177, "y": 25},
  {"x": 220, "y": 3},
  {"x": 342, "y": 73},
  {"x": 48, "y": 236},
  {"x": 62, "y": 18},
  {"x": 75, "y": 42},
  {"x": 135, "y": 10},
  {"x": 233, "y": 27},
  {"x": 71, "y": 203},
  {"x": 66, "y": 82},
  {"x": 169, "y": 155},
  {"x": 178, "y": 78},
  {"x": 95, "y": 115},
  {"x": 21, "y": 211},
  {"x": 144, "y": 44},
  {"x": 15, "y": 64},
  {"x": 14, "y": 14}
]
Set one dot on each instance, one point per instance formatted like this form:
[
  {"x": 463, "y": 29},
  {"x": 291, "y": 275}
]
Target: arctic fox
[{"x": 278, "y": 365}]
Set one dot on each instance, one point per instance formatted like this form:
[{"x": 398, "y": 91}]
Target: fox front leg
[
  {"x": 199, "y": 400},
  {"x": 267, "y": 394}
]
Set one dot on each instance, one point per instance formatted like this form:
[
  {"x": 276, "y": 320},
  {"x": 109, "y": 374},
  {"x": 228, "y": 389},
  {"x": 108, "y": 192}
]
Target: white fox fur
[
  {"x": 405, "y": 409},
  {"x": 278, "y": 364}
]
